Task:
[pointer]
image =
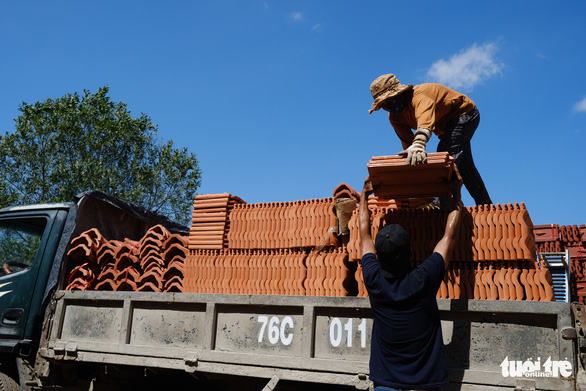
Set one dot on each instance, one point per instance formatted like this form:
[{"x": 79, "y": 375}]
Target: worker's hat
[
  {"x": 393, "y": 250},
  {"x": 385, "y": 87}
]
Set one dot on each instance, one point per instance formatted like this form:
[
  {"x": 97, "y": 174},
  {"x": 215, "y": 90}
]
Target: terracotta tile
[
  {"x": 479, "y": 286},
  {"x": 577, "y": 250},
  {"x": 510, "y": 232},
  {"x": 504, "y": 233},
  {"x": 457, "y": 281},
  {"x": 469, "y": 280},
  {"x": 106, "y": 254},
  {"x": 527, "y": 240},
  {"x": 531, "y": 276},
  {"x": 289, "y": 265},
  {"x": 517, "y": 286},
  {"x": 210, "y": 225},
  {"x": 504, "y": 282},
  {"x": 297, "y": 262},
  {"x": 450, "y": 282},
  {"x": 236, "y": 285},
  {"x": 546, "y": 233},
  {"x": 410, "y": 181},
  {"x": 546, "y": 281},
  {"x": 328, "y": 274},
  {"x": 360, "y": 280},
  {"x": 343, "y": 190},
  {"x": 86, "y": 245},
  {"x": 479, "y": 236},
  {"x": 498, "y": 232},
  {"x": 151, "y": 281},
  {"x": 300, "y": 261},
  {"x": 264, "y": 272},
  {"x": 492, "y": 290},
  {"x": 228, "y": 272},
  {"x": 126, "y": 285},
  {"x": 106, "y": 285},
  {"x": 524, "y": 279},
  {"x": 174, "y": 285},
  {"x": 517, "y": 232},
  {"x": 108, "y": 273},
  {"x": 82, "y": 277}
]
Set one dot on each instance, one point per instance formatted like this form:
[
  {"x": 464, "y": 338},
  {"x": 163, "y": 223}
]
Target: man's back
[{"x": 407, "y": 346}]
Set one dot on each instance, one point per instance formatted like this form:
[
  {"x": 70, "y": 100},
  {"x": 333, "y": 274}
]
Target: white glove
[{"x": 416, "y": 152}]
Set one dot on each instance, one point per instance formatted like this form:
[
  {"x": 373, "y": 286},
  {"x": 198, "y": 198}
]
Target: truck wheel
[{"x": 7, "y": 383}]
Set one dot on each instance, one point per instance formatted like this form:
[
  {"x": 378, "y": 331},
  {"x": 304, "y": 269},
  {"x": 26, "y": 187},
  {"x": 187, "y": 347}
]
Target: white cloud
[
  {"x": 296, "y": 16},
  {"x": 467, "y": 68},
  {"x": 580, "y": 106}
]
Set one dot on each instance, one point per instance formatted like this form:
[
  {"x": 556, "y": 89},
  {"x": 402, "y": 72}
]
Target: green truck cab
[{"x": 29, "y": 239}]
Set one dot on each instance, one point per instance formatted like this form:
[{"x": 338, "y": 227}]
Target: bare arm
[
  {"x": 447, "y": 243},
  {"x": 364, "y": 219}
]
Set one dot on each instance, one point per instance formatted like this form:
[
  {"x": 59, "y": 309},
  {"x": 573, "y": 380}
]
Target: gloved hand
[{"x": 416, "y": 152}]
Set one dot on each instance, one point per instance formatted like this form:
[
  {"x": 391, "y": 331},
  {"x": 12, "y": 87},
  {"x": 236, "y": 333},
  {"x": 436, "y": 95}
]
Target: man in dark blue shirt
[{"x": 407, "y": 350}]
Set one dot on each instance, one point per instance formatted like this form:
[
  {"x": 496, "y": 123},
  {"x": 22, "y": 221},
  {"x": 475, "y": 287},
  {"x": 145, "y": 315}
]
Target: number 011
[{"x": 338, "y": 331}]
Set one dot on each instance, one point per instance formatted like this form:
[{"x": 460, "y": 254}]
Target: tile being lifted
[
  {"x": 344, "y": 190},
  {"x": 393, "y": 178}
]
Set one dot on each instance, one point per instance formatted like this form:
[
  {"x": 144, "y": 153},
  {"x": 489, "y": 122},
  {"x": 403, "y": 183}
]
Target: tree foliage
[{"x": 64, "y": 146}]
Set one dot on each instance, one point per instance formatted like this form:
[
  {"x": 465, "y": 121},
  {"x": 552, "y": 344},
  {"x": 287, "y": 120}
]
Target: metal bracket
[
  {"x": 71, "y": 351},
  {"x": 58, "y": 351},
  {"x": 362, "y": 382},
  {"x": 191, "y": 361}
]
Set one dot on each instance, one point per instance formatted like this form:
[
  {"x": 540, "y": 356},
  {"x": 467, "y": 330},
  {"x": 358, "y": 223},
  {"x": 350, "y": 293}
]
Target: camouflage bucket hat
[{"x": 385, "y": 87}]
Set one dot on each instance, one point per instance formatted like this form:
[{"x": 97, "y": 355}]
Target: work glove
[{"x": 416, "y": 152}]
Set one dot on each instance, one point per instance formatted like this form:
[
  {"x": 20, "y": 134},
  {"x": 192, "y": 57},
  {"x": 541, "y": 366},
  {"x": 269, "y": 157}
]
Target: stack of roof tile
[
  {"x": 270, "y": 272},
  {"x": 278, "y": 225},
  {"x": 487, "y": 280},
  {"x": 209, "y": 222},
  {"x": 556, "y": 238},
  {"x": 155, "y": 263},
  {"x": 393, "y": 178},
  {"x": 488, "y": 233},
  {"x": 83, "y": 250},
  {"x": 495, "y": 256},
  {"x": 571, "y": 238}
]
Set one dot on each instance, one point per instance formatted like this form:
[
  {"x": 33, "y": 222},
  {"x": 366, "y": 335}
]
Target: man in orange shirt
[{"x": 432, "y": 108}]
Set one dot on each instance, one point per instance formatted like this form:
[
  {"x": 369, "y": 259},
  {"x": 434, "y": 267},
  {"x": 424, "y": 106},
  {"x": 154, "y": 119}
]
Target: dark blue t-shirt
[{"x": 407, "y": 349}]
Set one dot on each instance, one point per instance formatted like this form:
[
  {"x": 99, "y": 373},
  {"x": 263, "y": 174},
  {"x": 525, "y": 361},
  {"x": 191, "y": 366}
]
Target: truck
[{"x": 54, "y": 338}]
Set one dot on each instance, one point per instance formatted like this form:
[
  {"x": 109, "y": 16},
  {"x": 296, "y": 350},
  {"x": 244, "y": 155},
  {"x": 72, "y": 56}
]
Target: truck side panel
[{"x": 319, "y": 339}]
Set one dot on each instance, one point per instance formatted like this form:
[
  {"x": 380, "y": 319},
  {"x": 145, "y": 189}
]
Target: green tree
[{"x": 64, "y": 146}]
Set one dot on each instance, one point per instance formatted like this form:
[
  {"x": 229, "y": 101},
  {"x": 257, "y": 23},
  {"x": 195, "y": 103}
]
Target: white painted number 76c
[{"x": 277, "y": 330}]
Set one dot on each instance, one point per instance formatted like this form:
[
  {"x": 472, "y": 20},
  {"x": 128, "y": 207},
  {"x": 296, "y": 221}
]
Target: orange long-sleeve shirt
[{"x": 432, "y": 106}]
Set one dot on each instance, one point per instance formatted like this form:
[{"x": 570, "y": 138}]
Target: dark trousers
[{"x": 456, "y": 141}]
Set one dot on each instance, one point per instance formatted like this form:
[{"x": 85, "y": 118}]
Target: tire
[{"x": 7, "y": 383}]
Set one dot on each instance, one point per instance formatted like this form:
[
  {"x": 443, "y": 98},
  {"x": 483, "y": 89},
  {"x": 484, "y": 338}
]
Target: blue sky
[{"x": 272, "y": 96}]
